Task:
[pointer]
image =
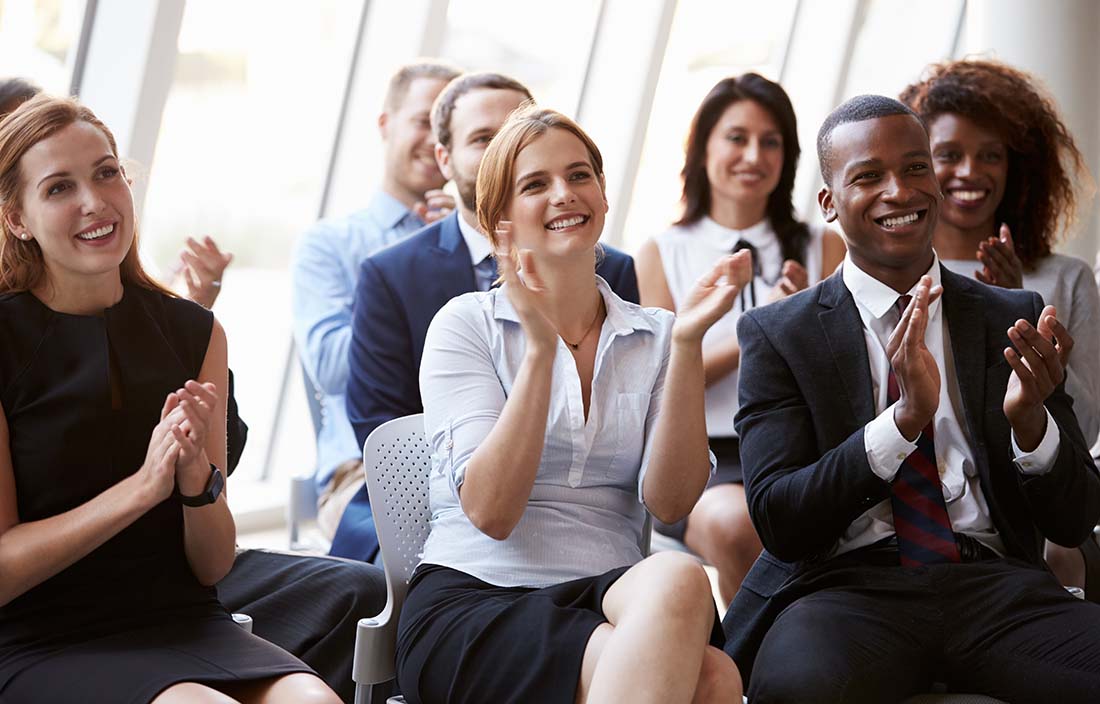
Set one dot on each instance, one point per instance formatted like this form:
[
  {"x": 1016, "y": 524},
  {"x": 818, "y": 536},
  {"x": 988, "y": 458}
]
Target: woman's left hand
[
  {"x": 1001, "y": 267},
  {"x": 197, "y": 403},
  {"x": 794, "y": 278},
  {"x": 712, "y": 296}
]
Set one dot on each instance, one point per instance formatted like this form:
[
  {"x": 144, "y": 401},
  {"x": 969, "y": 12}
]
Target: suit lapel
[
  {"x": 965, "y": 315},
  {"x": 454, "y": 271},
  {"x": 843, "y": 330}
]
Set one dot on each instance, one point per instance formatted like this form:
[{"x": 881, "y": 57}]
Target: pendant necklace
[{"x": 577, "y": 344}]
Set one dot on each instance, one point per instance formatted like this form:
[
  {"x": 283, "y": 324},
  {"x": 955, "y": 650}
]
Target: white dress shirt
[
  {"x": 584, "y": 516},
  {"x": 885, "y": 445}
]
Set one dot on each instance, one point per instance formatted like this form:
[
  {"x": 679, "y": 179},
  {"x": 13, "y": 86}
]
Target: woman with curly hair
[
  {"x": 1007, "y": 166},
  {"x": 739, "y": 169}
]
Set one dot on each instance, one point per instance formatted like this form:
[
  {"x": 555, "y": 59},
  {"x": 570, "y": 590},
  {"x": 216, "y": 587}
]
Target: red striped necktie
[{"x": 921, "y": 522}]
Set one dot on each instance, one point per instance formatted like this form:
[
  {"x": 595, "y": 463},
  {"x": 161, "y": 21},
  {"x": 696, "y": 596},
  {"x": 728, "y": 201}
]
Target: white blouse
[
  {"x": 584, "y": 516},
  {"x": 689, "y": 251}
]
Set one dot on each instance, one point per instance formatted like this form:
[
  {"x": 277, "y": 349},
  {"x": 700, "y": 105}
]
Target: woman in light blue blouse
[{"x": 557, "y": 414}]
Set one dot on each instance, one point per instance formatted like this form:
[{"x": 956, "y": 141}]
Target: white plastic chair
[{"x": 396, "y": 461}]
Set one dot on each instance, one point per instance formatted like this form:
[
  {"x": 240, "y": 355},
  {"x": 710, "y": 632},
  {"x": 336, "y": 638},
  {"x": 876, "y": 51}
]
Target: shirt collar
[
  {"x": 387, "y": 211},
  {"x": 758, "y": 235},
  {"x": 478, "y": 244},
  {"x": 623, "y": 317},
  {"x": 877, "y": 298}
]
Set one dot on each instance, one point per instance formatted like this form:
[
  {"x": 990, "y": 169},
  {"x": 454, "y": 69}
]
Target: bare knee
[
  {"x": 192, "y": 693},
  {"x": 682, "y": 587},
  {"x": 719, "y": 680},
  {"x": 299, "y": 688}
]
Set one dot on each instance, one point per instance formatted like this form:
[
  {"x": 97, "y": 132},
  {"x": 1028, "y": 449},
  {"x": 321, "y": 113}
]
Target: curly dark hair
[
  {"x": 1040, "y": 198},
  {"x": 793, "y": 235}
]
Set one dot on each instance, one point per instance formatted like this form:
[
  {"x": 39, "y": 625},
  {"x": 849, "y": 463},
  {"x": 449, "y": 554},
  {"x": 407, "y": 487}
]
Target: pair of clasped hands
[
  {"x": 1038, "y": 358},
  {"x": 710, "y": 298},
  {"x": 176, "y": 454}
]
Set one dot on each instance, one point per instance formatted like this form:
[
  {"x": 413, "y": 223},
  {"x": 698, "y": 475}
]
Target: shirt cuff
[
  {"x": 1041, "y": 459},
  {"x": 886, "y": 447}
]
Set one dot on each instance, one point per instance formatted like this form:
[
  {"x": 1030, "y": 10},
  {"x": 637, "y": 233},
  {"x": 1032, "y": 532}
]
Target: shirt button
[
  {"x": 450, "y": 444},
  {"x": 902, "y": 455},
  {"x": 1027, "y": 464}
]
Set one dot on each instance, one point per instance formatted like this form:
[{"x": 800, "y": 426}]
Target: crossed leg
[{"x": 654, "y": 646}]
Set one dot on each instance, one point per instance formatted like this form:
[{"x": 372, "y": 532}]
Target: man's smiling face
[{"x": 884, "y": 192}]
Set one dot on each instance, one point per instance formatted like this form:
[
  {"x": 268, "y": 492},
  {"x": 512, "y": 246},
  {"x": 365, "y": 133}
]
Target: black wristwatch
[{"x": 210, "y": 495}]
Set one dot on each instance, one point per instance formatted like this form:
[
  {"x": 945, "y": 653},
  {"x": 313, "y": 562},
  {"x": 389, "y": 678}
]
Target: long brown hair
[
  {"x": 1044, "y": 163},
  {"x": 22, "y": 267},
  {"x": 793, "y": 235}
]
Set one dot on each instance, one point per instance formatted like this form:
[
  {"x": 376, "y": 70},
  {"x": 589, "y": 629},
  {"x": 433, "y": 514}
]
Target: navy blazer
[
  {"x": 805, "y": 396},
  {"x": 400, "y": 290}
]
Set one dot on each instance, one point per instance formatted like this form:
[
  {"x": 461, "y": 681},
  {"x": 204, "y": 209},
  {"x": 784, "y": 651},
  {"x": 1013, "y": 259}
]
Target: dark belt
[
  {"x": 973, "y": 550},
  {"x": 885, "y": 551}
]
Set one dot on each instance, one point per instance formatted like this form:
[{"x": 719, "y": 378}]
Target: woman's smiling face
[
  {"x": 75, "y": 202},
  {"x": 558, "y": 204}
]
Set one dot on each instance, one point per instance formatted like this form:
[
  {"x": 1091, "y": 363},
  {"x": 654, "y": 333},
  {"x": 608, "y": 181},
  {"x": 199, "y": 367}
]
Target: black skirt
[
  {"x": 133, "y": 666},
  {"x": 464, "y": 641}
]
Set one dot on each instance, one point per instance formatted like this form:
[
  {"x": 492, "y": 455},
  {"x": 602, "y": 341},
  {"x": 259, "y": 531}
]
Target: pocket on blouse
[{"x": 631, "y": 410}]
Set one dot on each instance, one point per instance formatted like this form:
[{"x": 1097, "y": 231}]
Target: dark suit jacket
[
  {"x": 400, "y": 290},
  {"x": 805, "y": 397}
]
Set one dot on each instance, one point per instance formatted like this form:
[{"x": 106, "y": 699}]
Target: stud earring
[{"x": 25, "y": 236}]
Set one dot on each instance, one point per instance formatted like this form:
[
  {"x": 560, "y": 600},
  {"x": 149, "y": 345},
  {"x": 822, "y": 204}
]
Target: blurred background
[{"x": 246, "y": 120}]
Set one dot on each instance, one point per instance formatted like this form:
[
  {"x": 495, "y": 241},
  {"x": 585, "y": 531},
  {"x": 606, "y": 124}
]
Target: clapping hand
[
  {"x": 158, "y": 471},
  {"x": 712, "y": 296},
  {"x": 194, "y": 415},
  {"x": 524, "y": 291},
  {"x": 1037, "y": 358},
  {"x": 202, "y": 268},
  {"x": 793, "y": 279},
  {"x": 914, "y": 366},
  {"x": 1000, "y": 265},
  {"x": 437, "y": 204}
]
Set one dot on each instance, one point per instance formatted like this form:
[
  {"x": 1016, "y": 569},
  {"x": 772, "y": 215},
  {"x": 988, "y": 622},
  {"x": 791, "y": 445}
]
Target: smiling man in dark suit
[
  {"x": 907, "y": 443},
  {"x": 402, "y": 287}
]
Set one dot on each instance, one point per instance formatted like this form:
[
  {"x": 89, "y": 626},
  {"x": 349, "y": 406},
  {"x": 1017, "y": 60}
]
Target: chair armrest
[{"x": 375, "y": 651}]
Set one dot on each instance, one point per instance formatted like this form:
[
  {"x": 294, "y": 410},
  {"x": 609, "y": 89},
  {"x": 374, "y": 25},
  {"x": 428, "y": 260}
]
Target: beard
[{"x": 467, "y": 191}]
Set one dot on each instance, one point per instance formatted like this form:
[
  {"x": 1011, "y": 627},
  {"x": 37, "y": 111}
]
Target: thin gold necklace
[{"x": 575, "y": 345}]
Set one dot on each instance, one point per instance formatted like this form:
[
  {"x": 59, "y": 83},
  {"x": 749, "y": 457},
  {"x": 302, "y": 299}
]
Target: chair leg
[{"x": 373, "y": 693}]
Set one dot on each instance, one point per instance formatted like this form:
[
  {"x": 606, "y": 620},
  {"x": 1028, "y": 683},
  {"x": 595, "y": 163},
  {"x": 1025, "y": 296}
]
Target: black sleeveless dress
[{"x": 129, "y": 619}]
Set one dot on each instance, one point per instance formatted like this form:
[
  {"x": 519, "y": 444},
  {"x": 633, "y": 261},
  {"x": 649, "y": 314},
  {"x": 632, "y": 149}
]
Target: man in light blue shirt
[{"x": 327, "y": 262}]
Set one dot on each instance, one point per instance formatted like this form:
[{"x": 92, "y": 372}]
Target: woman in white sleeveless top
[{"x": 742, "y": 152}]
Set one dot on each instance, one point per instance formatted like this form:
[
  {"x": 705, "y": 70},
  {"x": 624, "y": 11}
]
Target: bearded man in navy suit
[{"x": 907, "y": 444}]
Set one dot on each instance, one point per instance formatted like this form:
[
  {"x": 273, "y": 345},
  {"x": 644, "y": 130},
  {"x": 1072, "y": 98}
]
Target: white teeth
[
  {"x": 968, "y": 195},
  {"x": 900, "y": 221},
  {"x": 97, "y": 233},
  {"x": 568, "y": 222}
]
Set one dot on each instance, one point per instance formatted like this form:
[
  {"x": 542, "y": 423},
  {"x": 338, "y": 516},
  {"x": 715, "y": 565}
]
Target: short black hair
[{"x": 858, "y": 109}]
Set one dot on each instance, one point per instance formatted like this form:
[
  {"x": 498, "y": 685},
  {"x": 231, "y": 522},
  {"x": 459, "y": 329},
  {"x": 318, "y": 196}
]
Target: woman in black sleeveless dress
[{"x": 113, "y": 521}]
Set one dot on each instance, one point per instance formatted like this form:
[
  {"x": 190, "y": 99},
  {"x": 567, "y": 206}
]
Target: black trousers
[
  {"x": 307, "y": 605},
  {"x": 882, "y": 633}
]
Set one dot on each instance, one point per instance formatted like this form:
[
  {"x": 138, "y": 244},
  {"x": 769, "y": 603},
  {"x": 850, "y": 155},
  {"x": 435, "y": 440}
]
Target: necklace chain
[{"x": 577, "y": 344}]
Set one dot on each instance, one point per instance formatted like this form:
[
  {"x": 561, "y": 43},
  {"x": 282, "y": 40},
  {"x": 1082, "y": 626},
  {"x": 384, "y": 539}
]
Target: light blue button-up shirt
[
  {"x": 325, "y": 269},
  {"x": 585, "y": 515}
]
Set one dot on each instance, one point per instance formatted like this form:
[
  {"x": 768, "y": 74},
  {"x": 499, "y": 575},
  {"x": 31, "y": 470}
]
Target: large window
[
  {"x": 709, "y": 41},
  {"x": 242, "y": 156},
  {"x": 37, "y": 38}
]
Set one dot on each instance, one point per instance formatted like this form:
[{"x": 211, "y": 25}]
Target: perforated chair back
[{"x": 397, "y": 459}]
